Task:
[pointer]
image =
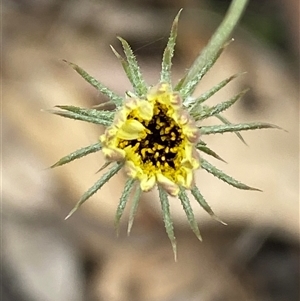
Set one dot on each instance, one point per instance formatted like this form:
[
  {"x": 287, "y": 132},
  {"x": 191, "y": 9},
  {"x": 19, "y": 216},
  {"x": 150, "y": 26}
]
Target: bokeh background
[{"x": 44, "y": 258}]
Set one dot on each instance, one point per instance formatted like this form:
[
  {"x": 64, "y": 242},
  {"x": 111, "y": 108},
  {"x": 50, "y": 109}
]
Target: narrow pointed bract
[
  {"x": 208, "y": 151},
  {"x": 206, "y": 95},
  {"x": 165, "y": 206},
  {"x": 156, "y": 132},
  {"x": 103, "y": 180},
  {"x": 78, "y": 154},
  {"x": 201, "y": 201},
  {"x": 104, "y": 118},
  {"x": 106, "y": 164},
  {"x": 133, "y": 209},
  {"x": 224, "y": 177},
  {"x": 226, "y": 121},
  {"x": 126, "y": 66},
  {"x": 190, "y": 83},
  {"x": 117, "y": 100},
  {"x": 207, "y": 112},
  {"x": 138, "y": 83},
  {"x": 189, "y": 212},
  {"x": 229, "y": 128},
  {"x": 165, "y": 75},
  {"x": 123, "y": 201}
]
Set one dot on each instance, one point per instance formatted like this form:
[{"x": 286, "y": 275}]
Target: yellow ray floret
[{"x": 156, "y": 138}]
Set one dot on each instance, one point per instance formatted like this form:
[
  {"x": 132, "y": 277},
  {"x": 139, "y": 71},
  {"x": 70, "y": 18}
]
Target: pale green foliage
[
  {"x": 165, "y": 206},
  {"x": 78, "y": 154},
  {"x": 226, "y": 121},
  {"x": 225, "y": 128},
  {"x": 89, "y": 115},
  {"x": 200, "y": 199},
  {"x": 133, "y": 71},
  {"x": 204, "y": 112},
  {"x": 187, "y": 87},
  {"x": 165, "y": 75},
  {"x": 194, "y": 105},
  {"x": 205, "y": 149},
  {"x": 104, "y": 179},
  {"x": 189, "y": 212},
  {"x": 134, "y": 206},
  {"x": 123, "y": 201},
  {"x": 224, "y": 177},
  {"x": 117, "y": 100}
]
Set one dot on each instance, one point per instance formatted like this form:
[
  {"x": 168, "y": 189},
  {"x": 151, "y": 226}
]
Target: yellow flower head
[
  {"x": 154, "y": 133},
  {"x": 156, "y": 138}
]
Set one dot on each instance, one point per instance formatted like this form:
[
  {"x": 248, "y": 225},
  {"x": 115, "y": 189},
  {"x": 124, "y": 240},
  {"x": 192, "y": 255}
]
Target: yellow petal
[
  {"x": 157, "y": 91},
  {"x": 102, "y": 138},
  {"x": 191, "y": 132},
  {"x": 145, "y": 110},
  {"x": 183, "y": 117},
  {"x": 120, "y": 118},
  {"x": 168, "y": 185},
  {"x": 175, "y": 100},
  {"x": 191, "y": 158},
  {"x": 131, "y": 103},
  {"x": 187, "y": 157},
  {"x": 180, "y": 180},
  {"x": 131, "y": 129},
  {"x": 109, "y": 135},
  {"x": 131, "y": 169},
  {"x": 189, "y": 178},
  {"x": 113, "y": 154},
  {"x": 148, "y": 183},
  {"x": 195, "y": 158}
]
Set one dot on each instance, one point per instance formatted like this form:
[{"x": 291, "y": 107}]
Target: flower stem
[{"x": 218, "y": 40}]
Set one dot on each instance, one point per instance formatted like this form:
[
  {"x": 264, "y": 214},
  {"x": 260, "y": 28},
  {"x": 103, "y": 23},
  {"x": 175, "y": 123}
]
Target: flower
[
  {"x": 157, "y": 140},
  {"x": 156, "y": 133}
]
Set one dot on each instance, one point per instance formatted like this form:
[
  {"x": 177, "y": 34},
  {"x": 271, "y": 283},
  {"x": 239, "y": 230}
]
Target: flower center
[{"x": 163, "y": 138}]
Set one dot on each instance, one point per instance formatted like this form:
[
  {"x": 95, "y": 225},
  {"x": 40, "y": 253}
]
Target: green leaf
[
  {"x": 165, "y": 206},
  {"x": 201, "y": 201},
  {"x": 226, "y": 121},
  {"x": 221, "y": 107},
  {"x": 206, "y": 95},
  {"x": 89, "y": 115},
  {"x": 165, "y": 75},
  {"x": 220, "y": 129},
  {"x": 96, "y": 113},
  {"x": 106, "y": 164},
  {"x": 116, "y": 99},
  {"x": 134, "y": 206},
  {"x": 208, "y": 151},
  {"x": 123, "y": 201},
  {"x": 180, "y": 83},
  {"x": 189, "y": 212},
  {"x": 215, "y": 46},
  {"x": 201, "y": 142},
  {"x": 78, "y": 154},
  {"x": 137, "y": 81},
  {"x": 104, "y": 179},
  {"x": 125, "y": 66},
  {"x": 207, "y": 112},
  {"x": 224, "y": 177},
  {"x": 103, "y": 105},
  {"x": 188, "y": 88}
]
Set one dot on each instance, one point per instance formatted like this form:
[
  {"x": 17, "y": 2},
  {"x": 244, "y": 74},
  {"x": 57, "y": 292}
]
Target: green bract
[{"x": 195, "y": 109}]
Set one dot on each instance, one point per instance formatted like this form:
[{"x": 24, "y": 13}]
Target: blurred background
[{"x": 44, "y": 258}]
